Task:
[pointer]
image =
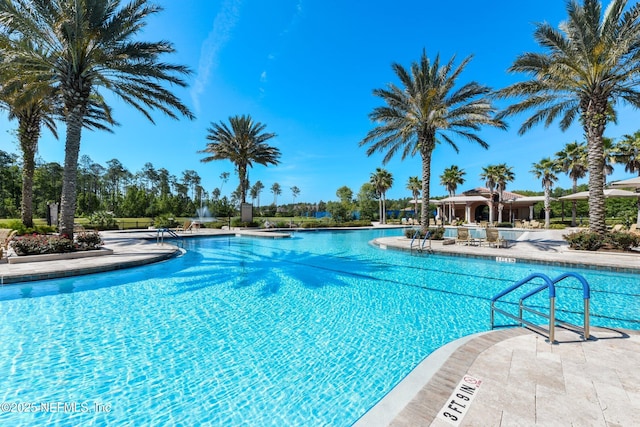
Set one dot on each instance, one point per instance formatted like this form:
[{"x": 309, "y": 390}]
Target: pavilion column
[
  {"x": 531, "y": 212},
  {"x": 467, "y": 213}
]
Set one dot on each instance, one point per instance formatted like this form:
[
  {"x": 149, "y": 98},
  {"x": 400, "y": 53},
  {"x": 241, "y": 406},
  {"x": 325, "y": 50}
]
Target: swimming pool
[{"x": 311, "y": 330}]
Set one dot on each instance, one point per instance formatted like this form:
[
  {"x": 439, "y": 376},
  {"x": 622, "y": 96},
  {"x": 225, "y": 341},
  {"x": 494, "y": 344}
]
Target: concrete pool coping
[{"x": 503, "y": 359}]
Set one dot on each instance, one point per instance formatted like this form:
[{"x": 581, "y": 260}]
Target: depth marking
[{"x": 460, "y": 400}]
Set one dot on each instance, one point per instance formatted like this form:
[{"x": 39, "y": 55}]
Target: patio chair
[
  {"x": 634, "y": 229},
  {"x": 187, "y": 226},
  {"x": 494, "y": 239},
  {"x": 617, "y": 228},
  {"x": 6, "y": 234},
  {"x": 463, "y": 238}
]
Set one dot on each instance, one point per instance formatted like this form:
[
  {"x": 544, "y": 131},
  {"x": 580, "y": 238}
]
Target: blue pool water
[{"x": 311, "y": 330}]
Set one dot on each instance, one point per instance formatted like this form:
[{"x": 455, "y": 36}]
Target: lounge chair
[
  {"x": 616, "y": 228},
  {"x": 494, "y": 239},
  {"x": 6, "y": 234},
  {"x": 187, "y": 226},
  {"x": 464, "y": 238},
  {"x": 634, "y": 229}
]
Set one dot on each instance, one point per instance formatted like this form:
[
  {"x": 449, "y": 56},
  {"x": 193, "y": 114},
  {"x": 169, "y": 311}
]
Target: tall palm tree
[
  {"x": 546, "y": 169},
  {"x": 452, "y": 177},
  {"x": 256, "y": 189},
  {"x": 32, "y": 114},
  {"x": 490, "y": 175},
  {"x": 414, "y": 185},
  {"x": 627, "y": 152},
  {"x": 276, "y": 190},
  {"x": 79, "y": 46},
  {"x": 427, "y": 110},
  {"x": 504, "y": 174},
  {"x": 243, "y": 144},
  {"x": 572, "y": 160},
  {"x": 382, "y": 180},
  {"x": 589, "y": 65}
]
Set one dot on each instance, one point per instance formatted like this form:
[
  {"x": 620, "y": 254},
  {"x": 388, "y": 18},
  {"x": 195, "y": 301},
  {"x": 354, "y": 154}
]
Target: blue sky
[{"x": 307, "y": 70}]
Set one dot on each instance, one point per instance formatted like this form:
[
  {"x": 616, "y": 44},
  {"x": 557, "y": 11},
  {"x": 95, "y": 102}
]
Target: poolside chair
[
  {"x": 494, "y": 239},
  {"x": 634, "y": 229},
  {"x": 6, "y": 234},
  {"x": 464, "y": 238},
  {"x": 187, "y": 226},
  {"x": 616, "y": 228}
]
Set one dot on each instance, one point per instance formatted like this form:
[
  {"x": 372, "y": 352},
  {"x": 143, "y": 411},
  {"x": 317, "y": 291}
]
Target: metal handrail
[
  {"x": 160, "y": 235},
  {"x": 424, "y": 240},
  {"x": 550, "y": 285}
]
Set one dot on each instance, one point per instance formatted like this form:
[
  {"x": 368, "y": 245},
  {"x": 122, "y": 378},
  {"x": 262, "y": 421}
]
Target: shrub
[
  {"x": 34, "y": 244},
  {"x": 103, "y": 220},
  {"x": 588, "y": 241},
  {"x": 504, "y": 225},
  {"x": 60, "y": 244},
  {"x": 236, "y": 222},
  {"x": 557, "y": 226},
  {"x": 624, "y": 241},
  {"x": 165, "y": 221},
  {"x": 436, "y": 233},
  {"x": 88, "y": 240},
  {"x": 585, "y": 240}
]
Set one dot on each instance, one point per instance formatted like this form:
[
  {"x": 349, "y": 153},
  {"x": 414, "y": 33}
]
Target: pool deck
[{"x": 524, "y": 379}]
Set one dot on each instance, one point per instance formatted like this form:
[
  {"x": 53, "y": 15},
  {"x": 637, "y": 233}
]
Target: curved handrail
[
  {"x": 586, "y": 290},
  {"x": 548, "y": 284},
  {"x": 416, "y": 234}
]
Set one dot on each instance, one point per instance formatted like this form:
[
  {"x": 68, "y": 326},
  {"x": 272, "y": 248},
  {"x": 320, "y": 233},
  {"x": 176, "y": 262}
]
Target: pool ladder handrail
[
  {"x": 421, "y": 245},
  {"x": 550, "y": 285},
  {"x": 171, "y": 233}
]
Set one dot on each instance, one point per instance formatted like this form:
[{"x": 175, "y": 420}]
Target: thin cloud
[
  {"x": 293, "y": 23},
  {"x": 218, "y": 37}
]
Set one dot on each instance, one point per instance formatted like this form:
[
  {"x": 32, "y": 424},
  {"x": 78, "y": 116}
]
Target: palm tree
[
  {"x": 425, "y": 111},
  {"x": 545, "y": 170},
  {"x": 572, "y": 160},
  {"x": 382, "y": 180},
  {"x": 32, "y": 113},
  {"x": 452, "y": 177},
  {"x": 490, "y": 175},
  {"x": 588, "y": 67},
  {"x": 414, "y": 185},
  {"x": 243, "y": 144},
  {"x": 627, "y": 152},
  {"x": 504, "y": 174},
  {"x": 78, "y": 47},
  {"x": 224, "y": 177},
  {"x": 276, "y": 190},
  {"x": 255, "y": 191},
  {"x": 295, "y": 192}
]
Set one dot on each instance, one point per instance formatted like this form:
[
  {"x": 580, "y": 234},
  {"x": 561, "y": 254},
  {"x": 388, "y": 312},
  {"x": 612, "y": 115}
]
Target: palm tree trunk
[
  {"x": 547, "y": 206},
  {"x": 29, "y": 134},
  {"x": 574, "y": 204},
  {"x": 425, "y": 153},
  {"x": 384, "y": 209},
  {"x": 594, "y": 121},
  {"x": 242, "y": 174},
  {"x": 72, "y": 148}
]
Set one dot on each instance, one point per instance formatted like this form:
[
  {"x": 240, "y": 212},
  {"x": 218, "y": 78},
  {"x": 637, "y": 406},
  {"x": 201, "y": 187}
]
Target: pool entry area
[{"x": 549, "y": 285}]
